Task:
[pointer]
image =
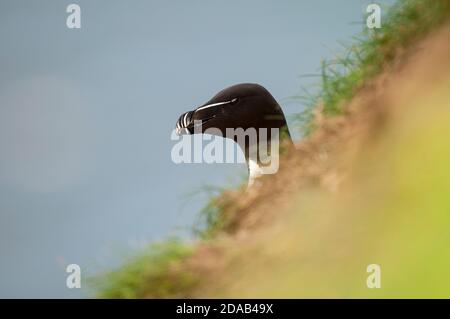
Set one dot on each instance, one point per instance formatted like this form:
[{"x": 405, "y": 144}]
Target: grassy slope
[
  {"x": 387, "y": 204},
  {"x": 368, "y": 186}
]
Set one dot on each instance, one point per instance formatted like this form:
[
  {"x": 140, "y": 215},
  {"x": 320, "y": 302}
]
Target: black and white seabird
[{"x": 243, "y": 106}]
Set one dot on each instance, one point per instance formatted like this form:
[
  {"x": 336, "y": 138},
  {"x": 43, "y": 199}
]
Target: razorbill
[{"x": 242, "y": 106}]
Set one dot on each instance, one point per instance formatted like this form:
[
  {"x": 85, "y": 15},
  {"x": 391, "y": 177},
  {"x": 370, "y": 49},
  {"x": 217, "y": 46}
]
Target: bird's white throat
[
  {"x": 254, "y": 170},
  {"x": 268, "y": 162}
]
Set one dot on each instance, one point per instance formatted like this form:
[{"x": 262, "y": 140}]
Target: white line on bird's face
[{"x": 216, "y": 104}]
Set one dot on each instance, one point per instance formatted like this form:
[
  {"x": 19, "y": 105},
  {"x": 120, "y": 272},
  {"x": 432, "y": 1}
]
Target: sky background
[{"x": 86, "y": 116}]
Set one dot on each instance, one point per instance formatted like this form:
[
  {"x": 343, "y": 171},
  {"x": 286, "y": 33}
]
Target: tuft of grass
[
  {"x": 373, "y": 51},
  {"x": 151, "y": 273},
  {"x": 213, "y": 218}
]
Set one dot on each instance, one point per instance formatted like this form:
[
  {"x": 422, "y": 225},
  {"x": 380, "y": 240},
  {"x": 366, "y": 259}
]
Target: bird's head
[{"x": 239, "y": 106}]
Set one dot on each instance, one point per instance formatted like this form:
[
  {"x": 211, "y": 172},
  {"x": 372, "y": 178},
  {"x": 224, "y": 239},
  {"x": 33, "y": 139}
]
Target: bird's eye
[{"x": 234, "y": 101}]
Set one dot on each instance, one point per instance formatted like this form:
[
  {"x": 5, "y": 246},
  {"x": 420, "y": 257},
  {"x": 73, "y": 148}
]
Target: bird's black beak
[
  {"x": 192, "y": 122},
  {"x": 185, "y": 125}
]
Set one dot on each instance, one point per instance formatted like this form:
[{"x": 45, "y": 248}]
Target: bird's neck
[
  {"x": 255, "y": 171},
  {"x": 261, "y": 157}
]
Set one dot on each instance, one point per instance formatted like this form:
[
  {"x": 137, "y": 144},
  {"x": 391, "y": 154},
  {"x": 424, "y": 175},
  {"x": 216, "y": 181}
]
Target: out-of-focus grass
[
  {"x": 150, "y": 273},
  {"x": 393, "y": 211},
  {"x": 368, "y": 55}
]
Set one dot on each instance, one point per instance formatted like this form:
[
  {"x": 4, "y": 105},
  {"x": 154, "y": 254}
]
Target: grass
[
  {"x": 154, "y": 272},
  {"x": 212, "y": 218},
  {"x": 371, "y": 53},
  {"x": 150, "y": 273}
]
